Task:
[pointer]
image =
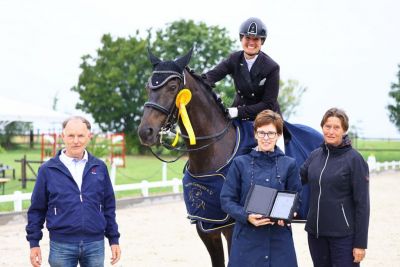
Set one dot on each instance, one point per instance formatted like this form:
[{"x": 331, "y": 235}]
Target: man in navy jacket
[{"x": 74, "y": 195}]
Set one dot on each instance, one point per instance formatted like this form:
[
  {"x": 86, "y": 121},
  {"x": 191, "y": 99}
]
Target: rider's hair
[
  {"x": 266, "y": 117},
  {"x": 338, "y": 113}
]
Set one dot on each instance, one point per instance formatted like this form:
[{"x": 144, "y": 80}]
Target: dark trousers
[{"x": 332, "y": 251}]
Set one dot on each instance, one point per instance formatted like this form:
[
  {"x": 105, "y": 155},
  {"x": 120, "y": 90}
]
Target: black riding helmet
[{"x": 253, "y": 27}]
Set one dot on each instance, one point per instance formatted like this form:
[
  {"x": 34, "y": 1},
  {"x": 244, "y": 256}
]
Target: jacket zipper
[
  {"x": 100, "y": 207},
  {"x": 344, "y": 215},
  {"x": 55, "y": 210},
  {"x": 320, "y": 190}
]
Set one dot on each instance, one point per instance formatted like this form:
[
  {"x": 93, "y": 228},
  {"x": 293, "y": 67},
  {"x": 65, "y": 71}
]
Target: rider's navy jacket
[
  {"x": 268, "y": 245},
  {"x": 338, "y": 178},
  {"x": 72, "y": 215},
  {"x": 256, "y": 90}
]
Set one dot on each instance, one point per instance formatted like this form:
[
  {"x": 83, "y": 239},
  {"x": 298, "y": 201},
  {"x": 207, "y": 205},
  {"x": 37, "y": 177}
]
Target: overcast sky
[{"x": 345, "y": 52}]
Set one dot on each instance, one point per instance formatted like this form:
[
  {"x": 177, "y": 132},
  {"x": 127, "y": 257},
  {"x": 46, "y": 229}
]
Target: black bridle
[{"x": 172, "y": 119}]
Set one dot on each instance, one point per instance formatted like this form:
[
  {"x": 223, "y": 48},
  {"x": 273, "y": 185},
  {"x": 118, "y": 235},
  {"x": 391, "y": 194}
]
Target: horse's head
[{"x": 163, "y": 86}]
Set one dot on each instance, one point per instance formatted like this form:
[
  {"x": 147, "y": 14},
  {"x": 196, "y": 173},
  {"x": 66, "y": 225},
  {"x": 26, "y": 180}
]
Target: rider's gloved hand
[{"x": 233, "y": 112}]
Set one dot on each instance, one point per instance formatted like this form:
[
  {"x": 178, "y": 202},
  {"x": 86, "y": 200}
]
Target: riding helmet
[{"x": 253, "y": 27}]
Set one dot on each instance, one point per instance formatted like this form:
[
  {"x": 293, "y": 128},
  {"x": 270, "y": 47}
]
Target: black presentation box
[{"x": 272, "y": 203}]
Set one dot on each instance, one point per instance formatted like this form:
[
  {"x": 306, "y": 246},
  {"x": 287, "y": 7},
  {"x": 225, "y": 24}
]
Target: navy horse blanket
[{"x": 202, "y": 192}]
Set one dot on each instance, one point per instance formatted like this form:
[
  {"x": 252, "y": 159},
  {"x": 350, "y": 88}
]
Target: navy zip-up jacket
[
  {"x": 339, "y": 193},
  {"x": 72, "y": 215},
  {"x": 268, "y": 245}
]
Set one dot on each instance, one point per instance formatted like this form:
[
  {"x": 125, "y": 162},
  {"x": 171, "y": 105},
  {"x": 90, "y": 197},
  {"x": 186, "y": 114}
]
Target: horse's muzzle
[{"x": 147, "y": 135}]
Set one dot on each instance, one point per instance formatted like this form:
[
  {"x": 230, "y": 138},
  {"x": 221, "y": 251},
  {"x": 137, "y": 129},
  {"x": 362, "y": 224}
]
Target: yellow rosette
[{"x": 182, "y": 99}]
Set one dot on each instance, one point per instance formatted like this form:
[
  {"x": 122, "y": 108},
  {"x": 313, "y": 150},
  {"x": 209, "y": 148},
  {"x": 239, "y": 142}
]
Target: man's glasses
[{"x": 262, "y": 134}]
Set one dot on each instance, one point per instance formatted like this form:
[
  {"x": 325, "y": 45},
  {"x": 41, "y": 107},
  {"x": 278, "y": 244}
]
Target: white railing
[
  {"x": 175, "y": 183},
  {"x": 144, "y": 186},
  {"x": 17, "y": 198},
  {"x": 375, "y": 166}
]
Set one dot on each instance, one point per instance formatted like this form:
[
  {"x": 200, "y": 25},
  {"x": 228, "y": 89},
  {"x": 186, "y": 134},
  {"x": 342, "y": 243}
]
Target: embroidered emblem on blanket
[{"x": 201, "y": 195}]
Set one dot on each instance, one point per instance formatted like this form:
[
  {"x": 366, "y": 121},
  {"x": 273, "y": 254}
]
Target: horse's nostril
[
  {"x": 149, "y": 131},
  {"x": 145, "y": 133}
]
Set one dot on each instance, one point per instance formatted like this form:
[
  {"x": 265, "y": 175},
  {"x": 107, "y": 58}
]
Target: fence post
[
  {"x": 386, "y": 165},
  {"x": 23, "y": 172},
  {"x": 175, "y": 187},
  {"x": 113, "y": 173},
  {"x": 393, "y": 165},
  {"x": 164, "y": 171},
  {"x": 145, "y": 188},
  {"x": 372, "y": 163},
  {"x": 17, "y": 201}
]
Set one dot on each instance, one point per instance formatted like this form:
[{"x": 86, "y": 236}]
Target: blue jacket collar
[
  {"x": 55, "y": 162},
  {"x": 272, "y": 155}
]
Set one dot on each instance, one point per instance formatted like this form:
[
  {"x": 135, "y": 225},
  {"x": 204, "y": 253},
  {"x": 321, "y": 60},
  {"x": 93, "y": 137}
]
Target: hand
[
  {"x": 258, "y": 220},
  {"x": 36, "y": 257},
  {"x": 233, "y": 112},
  {"x": 282, "y": 223},
  {"x": 358, "y": 254},
  {"x": 115, "y": 254}
]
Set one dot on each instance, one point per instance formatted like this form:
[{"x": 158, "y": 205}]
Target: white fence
[
  {"x": 175, "y": 183},
  {"x": 375, "y": 166},
  {"x": 144, "y": 186}
]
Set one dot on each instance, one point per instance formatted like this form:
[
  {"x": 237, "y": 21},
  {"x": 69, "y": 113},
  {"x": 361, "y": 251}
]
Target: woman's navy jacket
[
  {"x": 72, "y": 215},
  {"x": 265, "y": 245},
  {"x": 338, "y": 179}
]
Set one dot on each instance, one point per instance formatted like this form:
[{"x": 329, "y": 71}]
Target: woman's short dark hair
[
  {"x": 338, "y": 113},
  {"x": 266, "y": 117},
  {"x": 82, "y": 119}
]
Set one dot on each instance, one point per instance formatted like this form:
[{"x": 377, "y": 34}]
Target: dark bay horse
[{"x": 217, "y": 142}]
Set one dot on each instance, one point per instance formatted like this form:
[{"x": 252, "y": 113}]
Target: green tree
[
  {"x": 12, "y": 129},
  {"x": 289, "y": 97},
  {"x": 394, "y": 109},
  {"x": 111, "y": 85}
]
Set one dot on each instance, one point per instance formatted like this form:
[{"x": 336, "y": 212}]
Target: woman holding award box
[{"x": 257, "y": 241}]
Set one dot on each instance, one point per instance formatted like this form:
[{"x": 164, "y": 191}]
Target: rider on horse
[{"x": 255, "y": 74}]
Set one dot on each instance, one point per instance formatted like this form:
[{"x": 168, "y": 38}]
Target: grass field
[{"x": 383, "y": 150}]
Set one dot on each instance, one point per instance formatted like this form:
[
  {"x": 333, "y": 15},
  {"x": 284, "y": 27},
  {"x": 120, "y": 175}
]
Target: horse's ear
[
  {"x": 184, "y": 60},
  {"x": 153, "y": 59}
]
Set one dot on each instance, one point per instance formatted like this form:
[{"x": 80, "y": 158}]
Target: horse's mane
[{"x": 209, "y": 87}]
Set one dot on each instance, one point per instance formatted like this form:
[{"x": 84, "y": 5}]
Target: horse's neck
[{"x": 208, "y": 119}]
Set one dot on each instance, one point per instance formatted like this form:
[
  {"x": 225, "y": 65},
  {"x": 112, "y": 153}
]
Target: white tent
[{"x": 12, "y": 110}]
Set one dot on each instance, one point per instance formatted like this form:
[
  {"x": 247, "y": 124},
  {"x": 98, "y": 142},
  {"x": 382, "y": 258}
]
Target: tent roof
[{"x": 12, "y": 110}]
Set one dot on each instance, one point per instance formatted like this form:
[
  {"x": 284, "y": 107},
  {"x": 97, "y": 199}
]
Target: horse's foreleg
[
  {"x": 213, "y": 243},
  {"x": 228, "y": 232}
]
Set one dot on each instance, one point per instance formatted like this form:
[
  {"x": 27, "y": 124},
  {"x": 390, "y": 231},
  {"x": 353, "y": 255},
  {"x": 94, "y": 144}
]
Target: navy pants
[{"x": 332, "y": 251}]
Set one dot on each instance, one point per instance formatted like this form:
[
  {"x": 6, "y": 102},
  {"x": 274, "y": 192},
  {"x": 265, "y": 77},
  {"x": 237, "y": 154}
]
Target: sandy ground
[{"x": 159, "y": 234}]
